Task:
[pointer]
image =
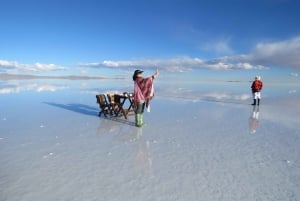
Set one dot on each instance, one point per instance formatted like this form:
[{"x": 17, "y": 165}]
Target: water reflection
[
  {"x": 127, "y": 133},
  {"x": 12, "y": 87},
  {"x": 196, "y": 95},
  {"x": 254, "y": 119}
]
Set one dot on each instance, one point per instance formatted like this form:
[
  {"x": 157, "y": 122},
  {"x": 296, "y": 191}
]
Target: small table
[{"x": 117, "y": 102}]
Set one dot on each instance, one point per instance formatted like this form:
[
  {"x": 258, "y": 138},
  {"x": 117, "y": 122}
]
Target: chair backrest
[
  {"x": 111, "y": 99},
  {"x": 114, "y": 99},
  {"x": 101, "y": 100},
  {"x": 117, "y": 98}
]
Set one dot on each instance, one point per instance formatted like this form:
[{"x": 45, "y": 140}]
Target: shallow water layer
[{"x": 201, "y": 141}]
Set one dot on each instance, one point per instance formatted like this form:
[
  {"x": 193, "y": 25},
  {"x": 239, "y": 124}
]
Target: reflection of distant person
[
  {"x": 143, "y": 92},
  {"x": 253, "y": 120},
  {"x": 256, "y": 87}
]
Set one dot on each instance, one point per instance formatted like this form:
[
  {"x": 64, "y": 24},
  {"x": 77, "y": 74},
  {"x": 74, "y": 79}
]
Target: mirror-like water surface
[{"x": 201, "y": 141}]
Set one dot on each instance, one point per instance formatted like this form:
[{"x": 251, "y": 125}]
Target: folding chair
[
  {"x": 103, "y": 104},
  {"x": 116, "y": 105}
]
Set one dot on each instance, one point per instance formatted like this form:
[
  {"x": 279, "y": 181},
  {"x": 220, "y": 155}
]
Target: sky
[{"x": 81, "y": 36}]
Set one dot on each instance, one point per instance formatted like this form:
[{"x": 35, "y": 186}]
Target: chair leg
[{"x": 104, "y": 112}]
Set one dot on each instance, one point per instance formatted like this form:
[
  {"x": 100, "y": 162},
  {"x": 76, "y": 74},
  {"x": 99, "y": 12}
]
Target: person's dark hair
[{"x": 136, "y": 72}]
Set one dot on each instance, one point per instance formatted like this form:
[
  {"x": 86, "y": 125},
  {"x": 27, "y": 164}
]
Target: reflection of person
[
  {"x": 143, "y": 92},
  {"x": 133, "y": 136},
  {"x": 256, "y": 87},
  {"x": 253, "y": 120},
  {"x": 143, "y": 158}
]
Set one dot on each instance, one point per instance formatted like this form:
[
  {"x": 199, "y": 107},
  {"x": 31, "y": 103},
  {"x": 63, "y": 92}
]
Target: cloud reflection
[
  {"x": 20, "y": 87},
  {"x": 194, "y": 96},
  {"x": 283, "y": 111}
]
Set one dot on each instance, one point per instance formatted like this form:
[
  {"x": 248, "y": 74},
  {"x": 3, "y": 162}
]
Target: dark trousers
[{"x": 140, "y": 108}]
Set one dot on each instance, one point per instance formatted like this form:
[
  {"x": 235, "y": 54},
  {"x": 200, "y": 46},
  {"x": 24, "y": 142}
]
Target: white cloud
[
  {"x": 178, "y": 64},
  {"x": 283, "y": 53},
  {"x": 8, "y": 64},
  {"x": 13, "y": 65},
  {"x": 171, "y": 64},
  {"x": 294, "y": 74},
  {"x": 45, "y": 67},
  {"x": 264, "y": 55},
  {"x": 221, "y": 47}
]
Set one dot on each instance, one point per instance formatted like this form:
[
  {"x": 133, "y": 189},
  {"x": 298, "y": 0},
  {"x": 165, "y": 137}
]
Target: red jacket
[{"x": 256, "y": 86}]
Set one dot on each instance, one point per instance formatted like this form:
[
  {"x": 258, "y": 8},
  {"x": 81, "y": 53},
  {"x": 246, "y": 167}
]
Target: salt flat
[{"x": 200, "y": 142}]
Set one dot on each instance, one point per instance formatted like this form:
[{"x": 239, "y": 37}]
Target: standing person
[
  {"x": 143, "y": 92},
  {"x": 256, "y": 87}
]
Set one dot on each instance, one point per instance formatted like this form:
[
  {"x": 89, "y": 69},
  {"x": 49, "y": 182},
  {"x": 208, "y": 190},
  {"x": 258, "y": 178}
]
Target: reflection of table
[{"x": 121, "y": 103}]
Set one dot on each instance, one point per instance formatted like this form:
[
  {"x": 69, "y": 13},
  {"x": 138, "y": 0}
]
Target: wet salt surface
[{"x": 54, "y": 147}]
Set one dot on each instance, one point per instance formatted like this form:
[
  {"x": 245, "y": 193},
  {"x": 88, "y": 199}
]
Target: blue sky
[{"x": 72, "y": 36}]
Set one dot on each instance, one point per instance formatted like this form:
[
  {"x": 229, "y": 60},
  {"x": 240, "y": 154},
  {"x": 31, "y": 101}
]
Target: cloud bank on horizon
[
  {"x": 283, "y": 54},
  {"x": 263, "y": 56}
]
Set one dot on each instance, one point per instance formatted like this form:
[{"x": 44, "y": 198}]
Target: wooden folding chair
[
  {"x": 116, "y": 105},
  {"x": 103, "y": 104}
]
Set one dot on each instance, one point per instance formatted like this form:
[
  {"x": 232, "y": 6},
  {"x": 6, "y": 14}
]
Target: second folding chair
[
  {"x": 115, "y": 104},
  {"x": 103, "y": 104}
]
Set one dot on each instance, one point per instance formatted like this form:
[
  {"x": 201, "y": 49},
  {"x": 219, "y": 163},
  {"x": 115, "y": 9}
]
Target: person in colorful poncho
[{"x": 143, "y": 93}]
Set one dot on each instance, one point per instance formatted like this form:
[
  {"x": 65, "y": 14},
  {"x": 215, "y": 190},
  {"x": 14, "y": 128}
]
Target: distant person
[
  {"x": 256, "y": 87},
  {"x": 143, "y": 92}
]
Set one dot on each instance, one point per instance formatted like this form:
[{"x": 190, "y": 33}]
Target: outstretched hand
[{"x": 156, "y": 74}]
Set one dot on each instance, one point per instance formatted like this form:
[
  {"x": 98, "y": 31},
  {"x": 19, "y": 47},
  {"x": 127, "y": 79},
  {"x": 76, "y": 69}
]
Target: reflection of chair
[
  {"x": 103, "y": 104},
  {"x": 116, "y": 105}
]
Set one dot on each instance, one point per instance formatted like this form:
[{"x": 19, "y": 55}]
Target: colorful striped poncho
[{"x": 143, "y": 90}]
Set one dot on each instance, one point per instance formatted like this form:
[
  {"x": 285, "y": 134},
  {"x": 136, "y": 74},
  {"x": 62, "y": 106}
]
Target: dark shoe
[
  {"x": 258, "y": 100},
  {"x": 254, "y": 102}
]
